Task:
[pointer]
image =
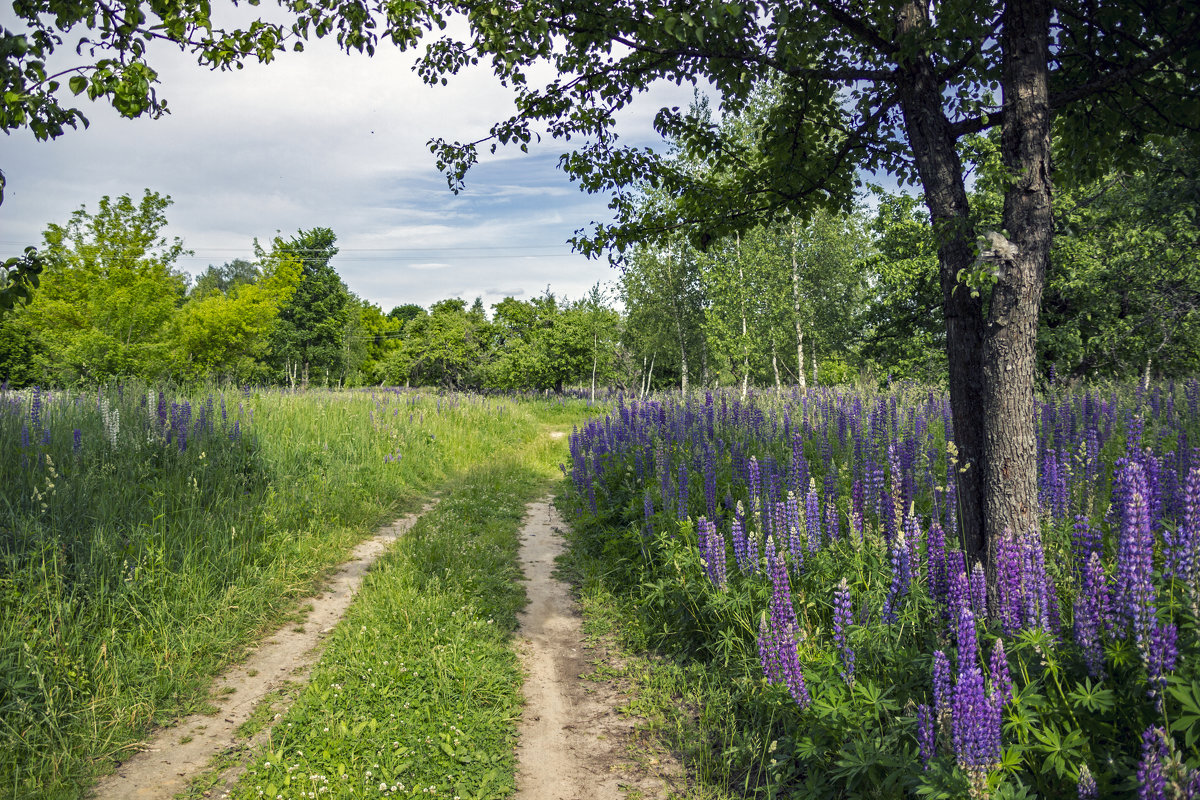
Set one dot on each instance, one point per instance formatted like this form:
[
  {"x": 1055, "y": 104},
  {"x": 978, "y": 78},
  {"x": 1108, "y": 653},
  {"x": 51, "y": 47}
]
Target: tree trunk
[
  {"x": 745, "y": 335},
  {"x": 775, "y": 366},
  {"x": 941, "y": 174},
  {"x": 683, "y": 365},
  {"x": 679, "y": 332},
  {"x": 595, "y": 347},
  {"x": 1009, "y": 460},
  {"x": 796, "y": 311}
]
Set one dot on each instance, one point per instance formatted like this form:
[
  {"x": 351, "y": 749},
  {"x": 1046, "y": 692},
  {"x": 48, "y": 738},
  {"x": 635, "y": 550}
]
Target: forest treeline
[{"x": 828, "y": 299}]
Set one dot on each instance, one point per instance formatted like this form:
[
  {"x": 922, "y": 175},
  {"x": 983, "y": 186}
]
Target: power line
[{"x": 340, "y": 250}]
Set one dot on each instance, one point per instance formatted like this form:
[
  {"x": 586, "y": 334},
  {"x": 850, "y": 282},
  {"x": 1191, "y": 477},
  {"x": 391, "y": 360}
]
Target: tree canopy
[{"x": 895, "y": 87}]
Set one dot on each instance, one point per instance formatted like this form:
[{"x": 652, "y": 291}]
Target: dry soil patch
[
  {"x": 175, "y": 756},
  {"x": 574, "y": 744}
]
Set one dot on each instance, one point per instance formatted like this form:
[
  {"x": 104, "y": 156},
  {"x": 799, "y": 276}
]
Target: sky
[{"x": 323, "y": 139}]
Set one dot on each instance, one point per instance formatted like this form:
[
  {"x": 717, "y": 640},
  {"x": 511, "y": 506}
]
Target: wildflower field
[
  {"x": 799, "y": 555},
  {"x": 148, "y": 538}
]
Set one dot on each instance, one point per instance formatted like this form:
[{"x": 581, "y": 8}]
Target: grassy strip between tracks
[{"x": 418, "y": 692}]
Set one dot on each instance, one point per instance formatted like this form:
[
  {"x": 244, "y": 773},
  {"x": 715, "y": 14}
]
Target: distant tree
[
  {"x": 370, "y": 336},
  {"x": 441, "y": 348},
  {"x": 603, "y": 324},
  {"x": 406, "y": 312},
  {"x": 309, "y": 341},
  {"x": 225, "y": 278},
  {"x": 664, "y": 299},
  {"x": 109, "y": 293},
  {"x": 226, "y": 335}
]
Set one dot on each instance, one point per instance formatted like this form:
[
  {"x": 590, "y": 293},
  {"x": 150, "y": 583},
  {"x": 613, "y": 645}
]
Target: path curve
[
  {"x": 573, "y": 742},
  {"x": 175, "y": 756}
]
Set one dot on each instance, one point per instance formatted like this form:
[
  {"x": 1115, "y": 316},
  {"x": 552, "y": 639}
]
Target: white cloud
[{"x": 330, "y": 140}]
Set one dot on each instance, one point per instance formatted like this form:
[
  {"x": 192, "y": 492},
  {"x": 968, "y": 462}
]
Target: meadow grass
[{"x": 145, "y": 540}]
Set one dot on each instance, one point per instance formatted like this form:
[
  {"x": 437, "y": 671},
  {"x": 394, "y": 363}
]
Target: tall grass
[{"x": 145, "y": 538}]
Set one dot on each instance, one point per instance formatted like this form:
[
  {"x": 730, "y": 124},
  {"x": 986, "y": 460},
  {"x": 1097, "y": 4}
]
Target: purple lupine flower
[
  {"x": 1134, "y": 592},
  {"x": 35, "y": 407},
  {"x": 76, "y": 440},
  {"x": 1087, "y": 785},
  {"x": 661, "y": 468},
  {"x": 978, "y": 591},
  {"x": 967, "y": 640},
  {"x": 1091, "y": 608},
  {"x": 1182, "y": 547},
  {"x": 926, "y": 737},
  {"x": 812, "y": 518},
  {"x": 780, "y": 635},
  {"x": 943, "y": 696},
  {"x": 975, "y": 730},
  {"x": 912, "y": 539},
  {"x": 712, "y": 549},
  {"x": 833, "y": 525},
  {"x": 843, "y": 618},
  {"x": 939, "y": 584},
  {"x": 887, "y": 515},
  {"x": 710, "y": 482},
  {"x": 975, "y": 720},
  {"x": 1160, "y": 659},
  {"x": 958, "y": 596},
  {"x": 1002, "y": 685},
  {"x": 898, "y": 588},
  {"x": 1151, "y": 771},
  {"x": 24, "y": 436},
  {"x": 648, "y": 511},
  {"x": 1009, "y": 567},
  {"x": 1085, "y": 540},
  {"x": 1035, "y": 587}
]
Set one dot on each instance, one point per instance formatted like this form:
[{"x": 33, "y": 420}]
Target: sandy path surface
[
  {"x": 574, "y": 745},
  {"x": 176, "y": 755}
]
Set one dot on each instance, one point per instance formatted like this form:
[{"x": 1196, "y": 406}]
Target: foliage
[
  {"x": 308, "y": 341},
  {"x": 108, "y": 293},
  {"x": 225, "y": 333},
  {"x": 225, "y": 278},
  {"x": 1124, "y": 286},
  {"x": 906, "y": 334},
  {"x": 749, "y": 308},
  {"x": 19, "y": 276}
]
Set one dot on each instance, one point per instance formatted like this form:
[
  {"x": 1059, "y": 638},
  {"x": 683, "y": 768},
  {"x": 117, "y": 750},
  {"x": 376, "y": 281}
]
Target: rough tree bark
[
  {"x": 796, "y": 311},
  {"x": 941, "y": 172},
  {"x": 1009, "y": 465}
]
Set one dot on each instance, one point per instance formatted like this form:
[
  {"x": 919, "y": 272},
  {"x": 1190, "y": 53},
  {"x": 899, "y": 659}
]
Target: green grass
[
  {"x": 418, "y": 692},
  {"x": 131, "y": 570}
]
